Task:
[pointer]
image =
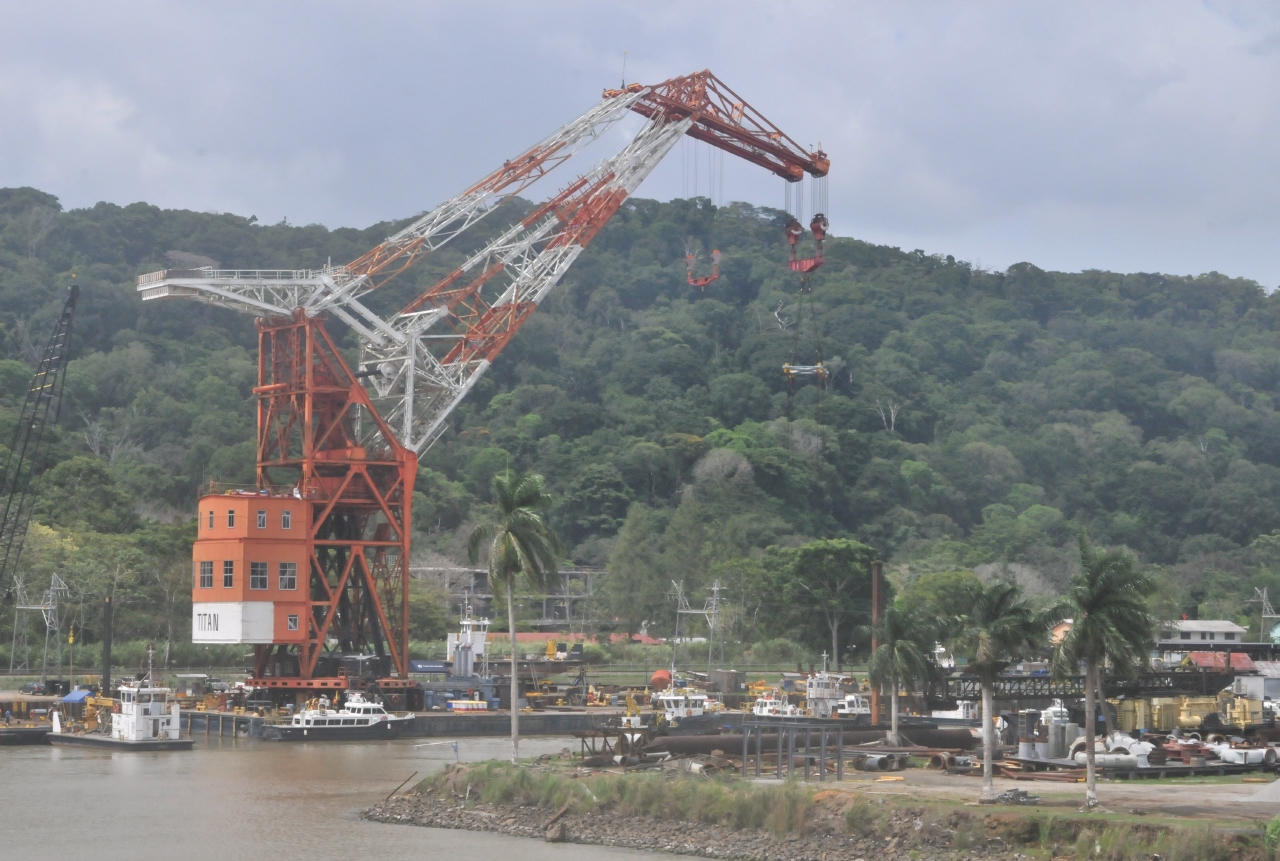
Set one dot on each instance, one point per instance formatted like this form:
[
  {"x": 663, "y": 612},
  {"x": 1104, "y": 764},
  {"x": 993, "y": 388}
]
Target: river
[{"x": 245, "y": 799}]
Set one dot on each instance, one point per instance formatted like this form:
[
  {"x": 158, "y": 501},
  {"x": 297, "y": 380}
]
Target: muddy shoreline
[{"x": 824, "y": 840}]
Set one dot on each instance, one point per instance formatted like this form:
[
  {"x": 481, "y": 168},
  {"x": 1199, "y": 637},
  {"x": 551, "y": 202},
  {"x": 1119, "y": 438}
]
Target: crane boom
[
  {"x": 338, "y": 448},
  {"x": 26, "y": 448}
]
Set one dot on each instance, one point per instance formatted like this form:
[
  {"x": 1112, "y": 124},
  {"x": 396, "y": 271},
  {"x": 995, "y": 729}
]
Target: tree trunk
[
  {"x": 515, "y": 675},
  {"x": 893, "y": 712},
  {"x": 988, "y": 741},
  {"x": 1090, "y": 733}
]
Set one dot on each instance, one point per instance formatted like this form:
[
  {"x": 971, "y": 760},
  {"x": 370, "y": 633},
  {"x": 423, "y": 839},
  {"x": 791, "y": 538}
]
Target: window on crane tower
[
  {"x": 258, "y": 575},
  {"x": 206, "y": 575},
  {"x": 210, "y": 518},
  {"x": 286, "y": 519},
  {"x": 231, "y": 518},
  {"x": 288, "y": 575},
  {"x": 262, "y": 520},
  {"x": 228, "y": 574}
]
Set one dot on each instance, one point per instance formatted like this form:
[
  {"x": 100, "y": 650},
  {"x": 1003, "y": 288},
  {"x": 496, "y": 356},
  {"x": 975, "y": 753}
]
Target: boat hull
[
  {"x": 374, "y": 732},
  {"x": 23, "y": 735},
  {"x": 106, "y": 742}
]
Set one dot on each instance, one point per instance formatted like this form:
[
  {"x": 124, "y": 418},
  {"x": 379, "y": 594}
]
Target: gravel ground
[{"x": 823, "y": 840}]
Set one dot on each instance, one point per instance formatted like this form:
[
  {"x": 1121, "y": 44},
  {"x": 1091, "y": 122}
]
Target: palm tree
[
  {"x": 906, "y": 637},
  {"x": 1107, "y": 604},
  {"x": 519, "y": 545},
  {"x": 997, "y": 627}
]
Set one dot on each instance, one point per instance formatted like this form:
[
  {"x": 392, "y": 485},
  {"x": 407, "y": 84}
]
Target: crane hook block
[
  {"x": 794, "y": 231},
  {"x": 702, "y": 282}
]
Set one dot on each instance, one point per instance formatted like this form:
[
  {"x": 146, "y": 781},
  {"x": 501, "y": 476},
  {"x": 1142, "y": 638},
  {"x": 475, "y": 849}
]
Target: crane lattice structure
[
  {"x": 26, "y": 450},
  {"x": 346, "y": 441}
]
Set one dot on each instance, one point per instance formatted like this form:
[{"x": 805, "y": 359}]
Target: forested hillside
[{"x": 974, "y": 420}]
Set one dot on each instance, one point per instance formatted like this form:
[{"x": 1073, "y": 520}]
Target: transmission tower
[
  {"x": 48, "y": 608},
  {"x": 26, "y": 448},
  {"x": 1267, "y": 612}
]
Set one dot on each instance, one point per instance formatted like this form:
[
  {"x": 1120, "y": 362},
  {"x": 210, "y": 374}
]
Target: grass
[
  {"x": 720, "y": 801},
  {"x": 794, "y": 807}
]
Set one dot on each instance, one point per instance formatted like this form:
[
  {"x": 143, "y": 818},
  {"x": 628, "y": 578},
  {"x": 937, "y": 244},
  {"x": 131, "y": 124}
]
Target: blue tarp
[{"x": 76, "y": 696}]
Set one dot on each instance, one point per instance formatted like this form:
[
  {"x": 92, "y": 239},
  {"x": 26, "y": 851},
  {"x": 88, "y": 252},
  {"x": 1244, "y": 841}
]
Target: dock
[{"x": 426, "y": 725}]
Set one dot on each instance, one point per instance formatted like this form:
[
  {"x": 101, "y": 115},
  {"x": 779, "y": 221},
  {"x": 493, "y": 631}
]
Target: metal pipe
[
  {"x": 106, "y": 647},
  {"x": 822, "y": 756}
]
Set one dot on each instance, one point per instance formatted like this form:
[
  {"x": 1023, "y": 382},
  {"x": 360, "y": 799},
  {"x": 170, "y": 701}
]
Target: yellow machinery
[
  {"x": 1164, "y": 714},
  {"x": 97, "y": 712}
]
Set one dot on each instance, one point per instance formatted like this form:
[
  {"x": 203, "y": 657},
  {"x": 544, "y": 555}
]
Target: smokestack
[
  {"x": 875, "y": 637},
  {"x": 106, "y": 648}
]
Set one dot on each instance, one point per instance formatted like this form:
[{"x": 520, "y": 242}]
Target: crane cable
[{"x": 793, "y": 231}]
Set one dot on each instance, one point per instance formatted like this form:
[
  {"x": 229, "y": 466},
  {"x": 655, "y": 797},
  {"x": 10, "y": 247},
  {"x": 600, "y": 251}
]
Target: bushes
[
  {"x": 721, "y": 801},
  {"x": 778, "y": 651}
]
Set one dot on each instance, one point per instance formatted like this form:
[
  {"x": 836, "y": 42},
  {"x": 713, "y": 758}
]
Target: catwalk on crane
[{"x": 311, "y": 564}]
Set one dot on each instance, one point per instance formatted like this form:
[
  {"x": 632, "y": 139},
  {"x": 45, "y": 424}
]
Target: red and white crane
[{"x": 338, "y": 448}]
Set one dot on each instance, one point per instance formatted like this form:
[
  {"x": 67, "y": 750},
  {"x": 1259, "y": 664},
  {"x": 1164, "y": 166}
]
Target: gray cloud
[{"x": 1131, "y": 137}]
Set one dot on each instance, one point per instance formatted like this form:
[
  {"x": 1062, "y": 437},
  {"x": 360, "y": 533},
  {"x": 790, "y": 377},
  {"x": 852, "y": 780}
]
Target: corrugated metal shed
[{"x": 1218, "y": 661}]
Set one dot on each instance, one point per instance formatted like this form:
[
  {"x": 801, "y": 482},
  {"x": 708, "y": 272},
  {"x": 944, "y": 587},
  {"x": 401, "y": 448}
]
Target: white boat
[
  {"x": 965, "y": 710},
  {"x": 145, "y": 717},
  {"x": 684, "y": 703},
  {"x": 774, "y": 704},
  {"x": 359, "y": 718},
  {"x": 822, "y": 694},
  {"x": 854, "y": 706}
]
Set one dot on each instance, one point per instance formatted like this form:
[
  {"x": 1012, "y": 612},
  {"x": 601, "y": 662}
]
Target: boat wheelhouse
[
  {"x": 775, "y": 704},
  {"x": 854, "y": 706},
  {"x": 682, "y": 704},
  {"x": 823, "y": 694}
]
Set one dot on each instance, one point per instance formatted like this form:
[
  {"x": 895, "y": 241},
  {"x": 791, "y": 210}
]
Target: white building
[
  {"x": 1196, "y": 632},
  {"x": 1178, "y": 639}
]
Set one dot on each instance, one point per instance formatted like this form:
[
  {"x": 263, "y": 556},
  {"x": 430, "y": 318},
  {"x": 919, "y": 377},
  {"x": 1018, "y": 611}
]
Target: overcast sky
[{"x": 1132, "y": 137}]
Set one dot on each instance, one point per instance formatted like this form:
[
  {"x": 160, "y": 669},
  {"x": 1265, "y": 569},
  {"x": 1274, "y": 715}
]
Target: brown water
[{"x": 245, "y": 799}]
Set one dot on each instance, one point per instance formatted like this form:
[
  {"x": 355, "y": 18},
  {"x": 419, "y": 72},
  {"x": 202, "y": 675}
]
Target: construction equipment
[
  {"x": 26, "y": 449},
  {"x": 310, "y": 565}
]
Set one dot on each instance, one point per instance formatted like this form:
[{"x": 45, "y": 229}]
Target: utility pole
[{"x": 876, "y": 572}]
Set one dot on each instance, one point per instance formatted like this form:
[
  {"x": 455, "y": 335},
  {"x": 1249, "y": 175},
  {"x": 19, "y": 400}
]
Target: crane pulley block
[{"x": 701, "y": 282}]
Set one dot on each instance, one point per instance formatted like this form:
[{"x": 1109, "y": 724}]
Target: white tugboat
[
  {"x": 822, "y": 692},
  {"x": 359, "y": 718},
  {"x": 145, "y": 717},
  {"x": 687, "y": 709}
]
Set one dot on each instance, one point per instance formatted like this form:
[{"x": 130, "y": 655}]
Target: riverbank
[{"x": 733, "y": 819}]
